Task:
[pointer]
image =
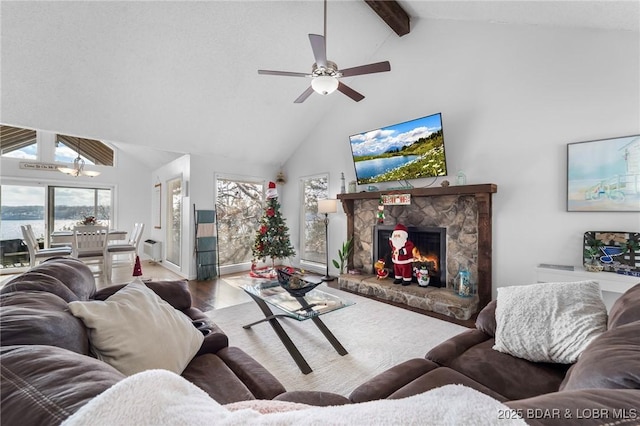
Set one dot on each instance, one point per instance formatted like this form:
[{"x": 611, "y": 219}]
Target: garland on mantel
[{"x": 381, "y": 210}]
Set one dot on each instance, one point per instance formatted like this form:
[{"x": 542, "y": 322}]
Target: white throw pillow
[
  {"x": 135, "y": 330},
  {"x": 549, "y": 322}
]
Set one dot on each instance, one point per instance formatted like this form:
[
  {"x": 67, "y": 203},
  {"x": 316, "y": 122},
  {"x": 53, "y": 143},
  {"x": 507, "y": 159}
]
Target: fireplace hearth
[{"x": 465, "y": 216}]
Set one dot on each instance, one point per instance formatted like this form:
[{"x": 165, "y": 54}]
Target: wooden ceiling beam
[{"x": 393, "y": 14}]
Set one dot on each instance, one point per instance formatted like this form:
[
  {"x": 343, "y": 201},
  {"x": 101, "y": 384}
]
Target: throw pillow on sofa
[
  {"x": 549, "y": 322},
  {"x": 135, "y": 330}
]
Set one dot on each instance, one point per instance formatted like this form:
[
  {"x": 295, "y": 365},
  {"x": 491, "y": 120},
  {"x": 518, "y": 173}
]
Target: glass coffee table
[{"x": 310, "y": 306}]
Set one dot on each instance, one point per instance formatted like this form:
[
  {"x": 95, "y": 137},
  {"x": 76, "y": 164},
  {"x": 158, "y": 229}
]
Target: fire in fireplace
[{"x": 430, "y": 250}]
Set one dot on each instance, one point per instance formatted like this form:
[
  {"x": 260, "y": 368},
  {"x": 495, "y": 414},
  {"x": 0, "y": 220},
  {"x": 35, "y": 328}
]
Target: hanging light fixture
[
  {"x": 78, "y": 167},
  {"x": 280, "y": 178}
]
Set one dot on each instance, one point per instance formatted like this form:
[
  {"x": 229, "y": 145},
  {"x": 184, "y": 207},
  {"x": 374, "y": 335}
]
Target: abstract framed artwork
[{"x": 604, "y": 175}]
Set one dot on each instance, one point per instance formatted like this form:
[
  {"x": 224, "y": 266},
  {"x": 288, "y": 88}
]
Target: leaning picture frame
[
  {"x": 157, "y": 206},
  {"x": 604, "y": 175}
]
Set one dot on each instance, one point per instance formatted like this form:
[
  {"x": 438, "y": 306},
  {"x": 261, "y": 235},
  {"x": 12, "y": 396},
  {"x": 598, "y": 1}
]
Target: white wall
[
  {"x": 133, "y": 185},
  {"x": 200, "y": 171},
  {"x": 512, "y": 97}
]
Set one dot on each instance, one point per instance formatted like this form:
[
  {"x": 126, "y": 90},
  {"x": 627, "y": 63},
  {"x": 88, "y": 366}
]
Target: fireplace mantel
[
  {"x": 487, "y": 188},
  {"x": 482, "y": 195}
]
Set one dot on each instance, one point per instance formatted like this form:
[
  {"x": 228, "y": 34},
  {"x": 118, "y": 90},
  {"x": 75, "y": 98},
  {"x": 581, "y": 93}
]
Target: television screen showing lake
[
  {"x": 400, "y": 152},
  {"x": 371, "y": 168}
]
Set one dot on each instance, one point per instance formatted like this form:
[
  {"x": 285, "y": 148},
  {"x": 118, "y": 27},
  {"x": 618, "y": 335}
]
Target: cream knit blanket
[{"x": 159, "y": 397}]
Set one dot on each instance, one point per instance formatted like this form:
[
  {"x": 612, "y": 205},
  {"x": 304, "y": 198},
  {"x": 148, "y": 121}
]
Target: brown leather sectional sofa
[
  {"x": 48, "y": 373},
  {"x": 602, "y": 387}
]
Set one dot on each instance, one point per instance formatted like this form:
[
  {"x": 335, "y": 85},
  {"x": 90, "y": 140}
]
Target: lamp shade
[
  {"x": 327, "y": 206},
  {"x": 324, "y": 84}
]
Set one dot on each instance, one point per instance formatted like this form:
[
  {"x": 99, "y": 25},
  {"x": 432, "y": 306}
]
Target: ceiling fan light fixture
[{"x": 324, "y": 84}]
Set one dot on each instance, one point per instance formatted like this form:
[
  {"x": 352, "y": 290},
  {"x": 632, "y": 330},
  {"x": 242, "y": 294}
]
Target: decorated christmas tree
[{"x": 272, "y": 238}]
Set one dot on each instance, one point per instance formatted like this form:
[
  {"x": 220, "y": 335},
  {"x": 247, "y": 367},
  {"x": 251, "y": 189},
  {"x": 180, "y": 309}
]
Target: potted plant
[{"x": 343, "y": 255}]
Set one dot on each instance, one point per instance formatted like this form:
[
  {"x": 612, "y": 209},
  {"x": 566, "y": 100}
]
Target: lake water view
[
  {"x": 371, "y": 168},
  {"x": 10, "y": 229}
]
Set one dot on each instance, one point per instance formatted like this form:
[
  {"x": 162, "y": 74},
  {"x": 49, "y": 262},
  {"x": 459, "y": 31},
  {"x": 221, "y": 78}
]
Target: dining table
[{"x": 66, "y": 237}]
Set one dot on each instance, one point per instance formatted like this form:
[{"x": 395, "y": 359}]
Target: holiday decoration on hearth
[
  {"x": 380, "y": 214},
  {"x": 424, "y": 266},
  {"x": 381, "y": 271},
  {"x": 137, "y": 269},
  {"x": 401, "y": 255},
  {"x": 422, "y": 274},
  {"x": 272, "y": 237}
]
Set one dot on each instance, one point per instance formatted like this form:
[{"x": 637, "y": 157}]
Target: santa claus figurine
[{"x": 401, "y": 255}]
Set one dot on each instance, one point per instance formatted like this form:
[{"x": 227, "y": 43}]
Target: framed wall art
[
  {"x": 604, "y": 175},
  {"x": 614, "y": 251}
]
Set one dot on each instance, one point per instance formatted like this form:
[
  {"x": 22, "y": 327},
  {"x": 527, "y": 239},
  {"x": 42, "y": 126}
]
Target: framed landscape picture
[{"x": 604, "y": 175}]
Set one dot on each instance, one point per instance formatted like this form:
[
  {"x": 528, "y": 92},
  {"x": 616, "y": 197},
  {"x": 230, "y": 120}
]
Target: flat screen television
[{"x": 410, "y": 150}]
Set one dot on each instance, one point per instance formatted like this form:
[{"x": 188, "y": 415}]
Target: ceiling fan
[{"x": 325, "y": 74}]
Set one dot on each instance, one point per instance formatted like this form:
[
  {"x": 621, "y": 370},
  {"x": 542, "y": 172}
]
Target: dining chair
[
  {"x": 90, "y": 244},
  {"x": 35, "y": 252},
  {"x": 130, "y": 248}
]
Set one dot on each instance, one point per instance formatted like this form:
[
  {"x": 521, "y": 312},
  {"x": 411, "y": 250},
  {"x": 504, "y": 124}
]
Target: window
[
  {"x": 238, "y": 208},
  {"x": 312, "y": 233},
  {"x": 21, "y": 143},
  {"x": 91, "y": 151},
  {"x": 69, "y": 205},
  {"x": 18, "y": 143},
  {"x": 46, "y": 209},
  {"x": 21, "y": 205}
]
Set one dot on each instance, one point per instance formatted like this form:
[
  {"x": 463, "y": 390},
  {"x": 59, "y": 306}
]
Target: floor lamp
[{"x": 326, "y": 207}]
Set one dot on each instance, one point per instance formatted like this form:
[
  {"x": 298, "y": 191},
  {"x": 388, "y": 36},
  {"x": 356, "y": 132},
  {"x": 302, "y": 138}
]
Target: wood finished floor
[
  {"x": 206, "y": 295},
  {"x": 218, "y": 294}
]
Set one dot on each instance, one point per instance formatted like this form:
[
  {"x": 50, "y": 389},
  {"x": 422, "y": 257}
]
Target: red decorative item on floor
[
  {"x": 264, "y": 272},
  {"x": 137, "y": 269}
]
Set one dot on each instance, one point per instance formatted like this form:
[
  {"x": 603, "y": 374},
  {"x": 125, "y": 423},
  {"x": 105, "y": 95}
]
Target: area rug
[{"x": 376, "y": 335}]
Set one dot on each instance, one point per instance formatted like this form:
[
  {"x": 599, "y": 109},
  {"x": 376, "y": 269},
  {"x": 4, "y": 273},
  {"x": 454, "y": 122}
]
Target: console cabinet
[{"x": 611, "y": 284}]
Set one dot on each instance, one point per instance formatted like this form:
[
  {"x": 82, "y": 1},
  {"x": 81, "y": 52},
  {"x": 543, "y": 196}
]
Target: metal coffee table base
[{"x": 284, "y": 337}]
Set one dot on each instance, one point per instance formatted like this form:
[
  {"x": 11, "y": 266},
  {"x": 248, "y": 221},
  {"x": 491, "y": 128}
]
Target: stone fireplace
[{"x": 463, "y": 212}]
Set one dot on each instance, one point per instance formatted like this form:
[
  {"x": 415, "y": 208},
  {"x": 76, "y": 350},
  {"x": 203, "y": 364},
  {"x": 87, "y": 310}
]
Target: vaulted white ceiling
[{"x": 182, "y": 76}]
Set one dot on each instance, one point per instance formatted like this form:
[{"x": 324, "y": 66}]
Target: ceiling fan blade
[
  {"x": 319, "y": 49},
  {"x": 304, "y": 96},
  {"x": 350, "y": 92},
  {"x": 284, "y": 73},
  {"x": 366, "y": 69}
]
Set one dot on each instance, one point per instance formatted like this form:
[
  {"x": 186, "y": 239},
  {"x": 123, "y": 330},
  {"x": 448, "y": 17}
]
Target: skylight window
[{"x": 18, "y": 143}]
